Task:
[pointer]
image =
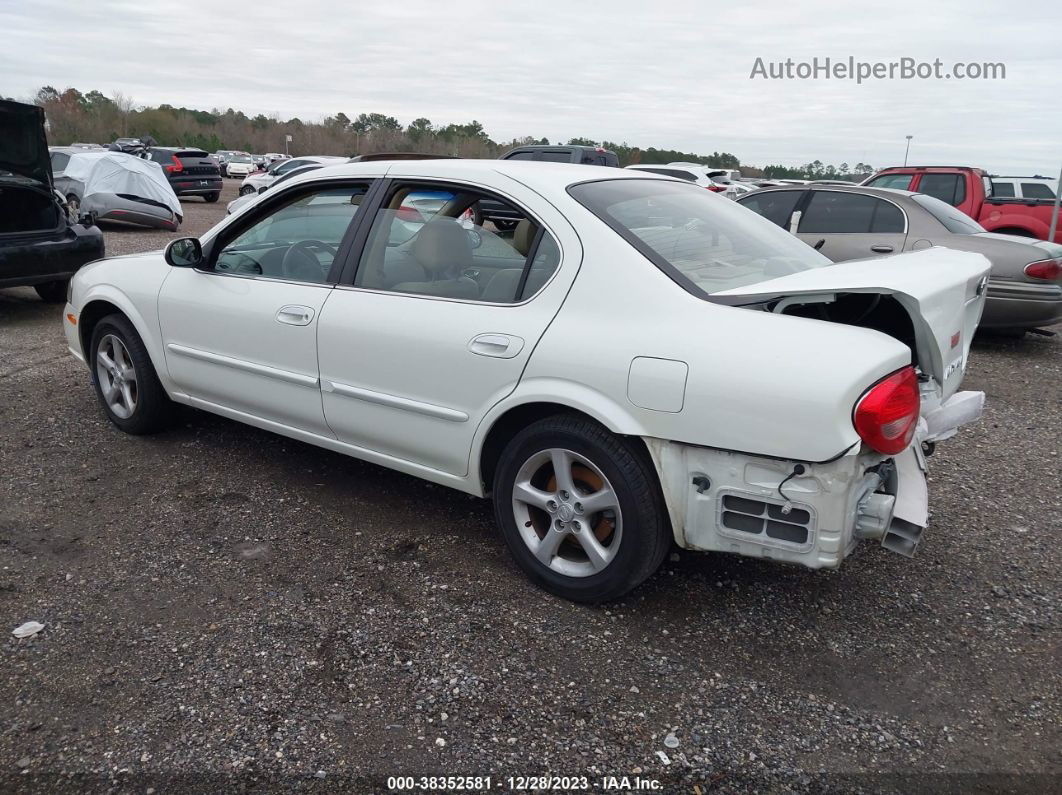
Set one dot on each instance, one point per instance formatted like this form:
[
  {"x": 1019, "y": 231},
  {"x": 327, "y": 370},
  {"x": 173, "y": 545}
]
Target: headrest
[
  {"x": 524, "y": 236},
  {"x": 442, "y": 245}
]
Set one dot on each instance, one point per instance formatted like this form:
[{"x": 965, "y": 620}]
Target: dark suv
[
  {"x": 505, "y": 218},
  {"x": 41, "y": 245},
  {"x": 191, "y": 172}
]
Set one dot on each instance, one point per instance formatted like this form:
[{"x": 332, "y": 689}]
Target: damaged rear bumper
[{"x": 810, "y": 514}]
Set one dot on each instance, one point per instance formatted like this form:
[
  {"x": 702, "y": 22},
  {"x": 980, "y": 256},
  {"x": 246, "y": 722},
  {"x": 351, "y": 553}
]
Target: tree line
[{"x": 93, "y": 117}]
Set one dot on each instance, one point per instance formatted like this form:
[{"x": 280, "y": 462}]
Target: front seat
[{"x": 443, "y": 249}]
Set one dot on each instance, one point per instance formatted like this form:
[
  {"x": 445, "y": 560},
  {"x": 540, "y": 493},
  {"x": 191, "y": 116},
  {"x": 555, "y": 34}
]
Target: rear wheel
[
  {"x": 212, "y": 197},
  {"x": 246, "y": 190},
  {"x": 52, "y": 292},
  {"x": 126, "y": 383},
  {"x": 580, "y": 509}
]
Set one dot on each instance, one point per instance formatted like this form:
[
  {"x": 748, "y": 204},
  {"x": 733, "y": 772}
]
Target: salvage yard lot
[{"x": 221, "y": 601}]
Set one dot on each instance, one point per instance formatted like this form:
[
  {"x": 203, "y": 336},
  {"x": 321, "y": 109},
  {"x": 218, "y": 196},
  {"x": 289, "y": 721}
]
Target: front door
[
  {"x": 241, "y": 333},
  {"x": 440, "y": 319},
  {"x": 844, "y": 225}
]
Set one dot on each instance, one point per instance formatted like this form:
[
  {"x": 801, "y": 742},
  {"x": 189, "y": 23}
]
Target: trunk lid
[
  {"x": 23, "y": 145},
  {"x": 941, "y": 290}
]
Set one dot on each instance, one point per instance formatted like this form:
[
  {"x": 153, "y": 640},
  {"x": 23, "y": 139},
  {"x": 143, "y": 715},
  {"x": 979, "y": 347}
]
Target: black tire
[
  {"x": 646, "y": 530},
  {"x": 154, "y": 410},
  {"x": 247, "y": 190},
  {"x": 212, "y": 197},
  {"x": 52, "y": 292}
]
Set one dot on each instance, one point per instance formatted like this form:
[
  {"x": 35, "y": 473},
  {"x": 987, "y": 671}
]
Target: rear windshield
[
  {"x": 704, "y": 242},
  {"x": 953, "y": 220},
  {"x": 192, "y": 153}
]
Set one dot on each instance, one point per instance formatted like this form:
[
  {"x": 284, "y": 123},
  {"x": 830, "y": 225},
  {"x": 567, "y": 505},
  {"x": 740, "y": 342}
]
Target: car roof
[
  {"x": 534, "y": 174},
  {"x": 884, "y": 193}
]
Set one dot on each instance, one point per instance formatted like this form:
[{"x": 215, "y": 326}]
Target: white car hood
[{"x": 942, "y": 290}]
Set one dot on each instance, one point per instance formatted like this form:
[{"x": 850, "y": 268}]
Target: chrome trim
[
  {"x": 395, "y": 402},
  {"x": 241, "y": 364}
]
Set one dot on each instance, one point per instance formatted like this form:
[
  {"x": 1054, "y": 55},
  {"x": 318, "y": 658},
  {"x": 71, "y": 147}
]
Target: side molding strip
[
  {"x": 395, "y": 402},
  {"x": 241, "y": 364}
]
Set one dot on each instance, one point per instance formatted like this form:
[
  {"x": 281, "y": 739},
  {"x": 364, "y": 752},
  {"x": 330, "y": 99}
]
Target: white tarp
[{"x": 117, "y": 172}]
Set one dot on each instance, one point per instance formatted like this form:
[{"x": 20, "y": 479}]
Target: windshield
[
  {"x": 953, "y": 220},
  {"x": 706, "y": 243}
]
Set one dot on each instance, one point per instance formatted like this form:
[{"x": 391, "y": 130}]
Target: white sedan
[
  {"x": 639, "y": 363},
  {"x": 240, "y": 166}
]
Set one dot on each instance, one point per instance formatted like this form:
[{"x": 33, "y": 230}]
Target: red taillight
[
  {"x": 1047, "y": 269},
  {"x": 887, "y": 414},
  {"x": 716, "y": 188},
  {"x": 176, "y": 168}
]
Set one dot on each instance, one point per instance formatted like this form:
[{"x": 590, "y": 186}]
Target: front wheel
[
  {"x": 580, "y": 509},
  {"x": 246, "y": 190},
  {"x": 126, "y": 383},
  {"x": 52, "y": 292}
]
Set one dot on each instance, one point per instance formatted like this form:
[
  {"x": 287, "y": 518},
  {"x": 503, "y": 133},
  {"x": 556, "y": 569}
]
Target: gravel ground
[{"x": 228, "y": 608}]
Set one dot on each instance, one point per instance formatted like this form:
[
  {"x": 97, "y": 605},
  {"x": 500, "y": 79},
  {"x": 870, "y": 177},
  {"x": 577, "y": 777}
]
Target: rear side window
[
  {"x": 59, "y": 161},
  {"x": 894, "y": 181},
  {"x": 1003, "y": 190},
  {"x": 1036, "y": 190},
  {"x": 833, "y": 212},
  {"x": 556, "y": 157},
  {"x": 776, "y": 206},
  {"x": 949, "y": 188},
  {"x": 521, "y": 156}
]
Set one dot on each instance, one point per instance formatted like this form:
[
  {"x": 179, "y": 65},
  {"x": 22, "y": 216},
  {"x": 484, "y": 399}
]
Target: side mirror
[{"x": 185, "y": 252}]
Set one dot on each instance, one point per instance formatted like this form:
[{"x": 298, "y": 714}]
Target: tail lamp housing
[
  {"x": 1046, "y": 269},
  {"x": 176, "y": 167},
  {"x": 886, "y": 415}
]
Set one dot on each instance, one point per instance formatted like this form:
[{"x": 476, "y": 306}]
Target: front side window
[
  {"x": 837, "y": 212},
  {"x": 949, "y": 188},
  {"x": 424, "y": 241},
  {"x": 297, "y": 241},
  {"x": 1036, "y": 190},
  {"x": 894, "y": 181},
  {"x": 776, "y": 206},
  {"x": 704, "y": 242}
]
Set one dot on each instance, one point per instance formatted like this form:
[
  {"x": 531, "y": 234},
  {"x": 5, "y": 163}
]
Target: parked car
[
  {"x": 641, "y": 363},
  {"x": 272, "y": 157},
  {"x": 714, "y": 179},
  {"x": 1035, "y": 188},
  {"x": 191, "y": 172},
  {"x": 127, "y": 145},
  {"x": 41, "y": 243},
  {"x": 263, "y": 179},
  {"x": 115, "y": 186},
  {"x": 585, "y": 155},
  {"x": 846, "y": 223},
  {"x": 240, "y": 166},
  {"x": 728, "y": 174},
  {"x": 222, "y": 156},
  {"x": 970, "y": 190},
  {"x": 260, "y": 162},
  {"x": 246, "y": 198}
]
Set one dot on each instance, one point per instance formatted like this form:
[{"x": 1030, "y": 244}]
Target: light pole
[{"x": 908, "y": 151}]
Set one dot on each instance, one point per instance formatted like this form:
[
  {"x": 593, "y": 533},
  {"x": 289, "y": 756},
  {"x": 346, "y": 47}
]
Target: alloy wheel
[
  {"x": 567, "y": 512},
  {"x": 117, "y": 376}
]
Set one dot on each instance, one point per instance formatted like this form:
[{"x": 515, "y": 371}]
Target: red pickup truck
[{"x": 970, "y": 190}]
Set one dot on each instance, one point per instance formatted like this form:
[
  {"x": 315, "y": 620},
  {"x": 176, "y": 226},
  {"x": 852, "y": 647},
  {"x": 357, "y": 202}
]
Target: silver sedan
[{"x": 847, "y": 223}]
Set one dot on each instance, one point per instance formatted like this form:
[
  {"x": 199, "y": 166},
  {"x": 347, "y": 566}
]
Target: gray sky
[{"x": 666, "y": 74}]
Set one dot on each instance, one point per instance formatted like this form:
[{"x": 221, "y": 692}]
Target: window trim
[
  {"x": 379, "y": 196},
  {"x": 212, "y": 249},
  {"x": 811, "y": 195}
]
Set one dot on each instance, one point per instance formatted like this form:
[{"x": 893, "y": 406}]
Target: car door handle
[
  {"x": 295, "y": 315},
  {"x": 882, "y": 249},
  {"x": 501, "y": 346}
]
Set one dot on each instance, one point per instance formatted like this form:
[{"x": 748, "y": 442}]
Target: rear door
[
  {"x": 846, "y": 225},
  {"x": 439, "y": 320}
]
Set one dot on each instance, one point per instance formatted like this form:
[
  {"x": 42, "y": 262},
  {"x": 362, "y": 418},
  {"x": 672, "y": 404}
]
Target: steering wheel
[{"x": 300, "y": 262}]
